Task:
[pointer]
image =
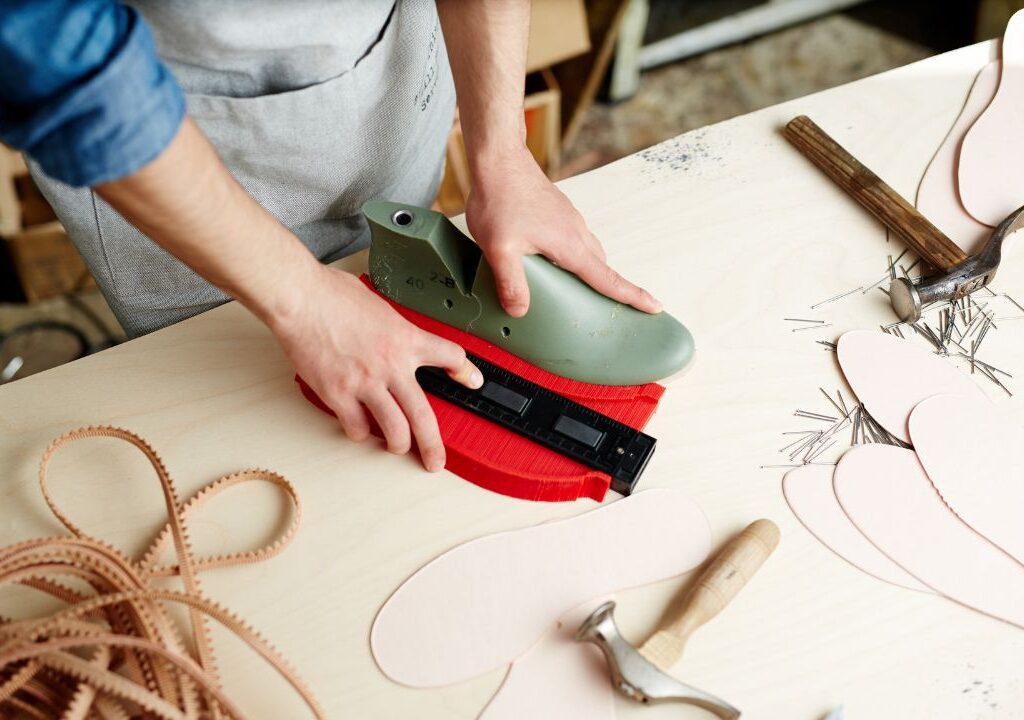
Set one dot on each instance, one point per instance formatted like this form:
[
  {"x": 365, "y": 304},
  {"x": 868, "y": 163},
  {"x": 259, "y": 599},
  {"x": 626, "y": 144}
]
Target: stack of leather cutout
[
  {"x": 574, "y": 347},
  {"x": 974, "y": 179},
  {"x": 936, "y": 517},
  {"x": 942, "y": 514}
]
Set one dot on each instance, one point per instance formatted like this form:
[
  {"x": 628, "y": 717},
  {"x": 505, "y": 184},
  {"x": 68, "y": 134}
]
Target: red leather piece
[{"x": 502, "y": 461}]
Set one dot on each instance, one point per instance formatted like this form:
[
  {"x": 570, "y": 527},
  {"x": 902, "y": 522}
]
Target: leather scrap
[{"x": 113, "y": 650}]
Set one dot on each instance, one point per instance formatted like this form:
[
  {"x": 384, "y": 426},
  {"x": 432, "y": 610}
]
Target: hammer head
[
  {"x": 959, "y": 281},
  {"x": 638, "y": 678}
]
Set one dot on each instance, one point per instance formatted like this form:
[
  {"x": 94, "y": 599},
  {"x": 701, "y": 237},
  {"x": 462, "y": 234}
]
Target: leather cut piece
[
  {"x": 891, "y": 376},
  {"x": 890, "y": 499},
  {"x": 558, "y": 678},
  {"x": 483, "y": 604},
  {"x": 991, "y": 158},
  {"x": 502, "y": 461},
  {"x": 811, "y": 497},
  {"x": 938, "y": 195},
  {"x": 114, "y": 647},
  {"x": 977, "y": 465}
]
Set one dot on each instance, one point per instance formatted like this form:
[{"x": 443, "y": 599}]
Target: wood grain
[{"x": 930, "y": 243}]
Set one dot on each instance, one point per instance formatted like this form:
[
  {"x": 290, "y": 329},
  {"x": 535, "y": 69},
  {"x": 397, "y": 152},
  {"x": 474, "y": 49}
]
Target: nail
[
  {"x": 476, "y": 379},
  {"x": 435, "y": 462}
]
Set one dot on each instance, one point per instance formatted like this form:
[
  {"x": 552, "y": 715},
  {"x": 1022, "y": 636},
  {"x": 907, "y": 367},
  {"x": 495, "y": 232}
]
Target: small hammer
[
  {"x": 641, "y": 674},
  {"x": 957, "y": 274}
]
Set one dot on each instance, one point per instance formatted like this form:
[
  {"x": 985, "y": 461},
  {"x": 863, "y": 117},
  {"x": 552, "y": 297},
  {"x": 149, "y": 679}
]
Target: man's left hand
[{"x": 515, "y": 210}]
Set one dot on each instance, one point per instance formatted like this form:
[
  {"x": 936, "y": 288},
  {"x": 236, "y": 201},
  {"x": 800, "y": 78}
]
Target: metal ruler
[{"x": 549, "y": 419}]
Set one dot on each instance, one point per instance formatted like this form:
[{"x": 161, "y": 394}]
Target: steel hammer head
[
  {"x": 959, "y": 281},
  {"x": 638, "y": 678}
]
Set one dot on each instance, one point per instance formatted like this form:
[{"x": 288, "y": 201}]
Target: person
[{"x": 297, "y": 113}]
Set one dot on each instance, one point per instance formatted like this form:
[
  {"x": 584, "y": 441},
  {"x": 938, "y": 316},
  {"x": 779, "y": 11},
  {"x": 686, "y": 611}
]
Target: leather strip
[{"x": 114, "y": 649}]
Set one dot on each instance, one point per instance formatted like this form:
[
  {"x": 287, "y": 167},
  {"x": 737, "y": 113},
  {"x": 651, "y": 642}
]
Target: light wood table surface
[{"x": 734, "y": 231}]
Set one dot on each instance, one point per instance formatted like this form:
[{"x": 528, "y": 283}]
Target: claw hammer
[{"x": 957, "y": 275}]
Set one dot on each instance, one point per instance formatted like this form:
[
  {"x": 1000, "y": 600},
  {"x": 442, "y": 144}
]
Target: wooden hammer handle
[
  {"x": 930, "y": 243},
  {"x": 719, "y": 583}
]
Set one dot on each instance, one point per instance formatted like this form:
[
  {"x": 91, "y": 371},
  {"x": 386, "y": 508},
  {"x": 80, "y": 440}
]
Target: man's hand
[
  {"x": 360, "y": 356},
  {"x": 356, "y": 352},
  {"x": 515, "y": 210}
]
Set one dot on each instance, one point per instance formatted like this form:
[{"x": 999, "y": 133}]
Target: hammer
[
  {"x": 957, "y": 275},
  {"x": 641, "y": 674}
]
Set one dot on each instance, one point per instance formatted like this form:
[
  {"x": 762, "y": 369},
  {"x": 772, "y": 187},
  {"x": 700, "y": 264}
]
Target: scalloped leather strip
[{"x": 114, "y": 649}]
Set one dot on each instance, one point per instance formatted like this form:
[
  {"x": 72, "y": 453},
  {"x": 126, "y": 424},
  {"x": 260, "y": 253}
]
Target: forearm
[
  {"x": 486, "y": 43},
  {"x": 350, "y": 346},
  {"x": 188, "y": 202}
]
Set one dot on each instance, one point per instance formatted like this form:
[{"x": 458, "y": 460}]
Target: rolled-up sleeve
[{"x": 82, "y": 90}]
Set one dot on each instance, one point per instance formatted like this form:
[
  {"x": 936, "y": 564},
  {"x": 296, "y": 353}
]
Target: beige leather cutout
[
  {"x": 810, "y": 495},
  {"x": 115, "y": 647},
  {"x": 992, "y": 156},
  {"x": 976, "y": 465},
  {"x": 483, "y": 604},
  {"x": 938, "y": 195},
  {"x": 891, "y": 376},
  {"x": 558, "y": 678},
  {"x": 890, "y": 499}
]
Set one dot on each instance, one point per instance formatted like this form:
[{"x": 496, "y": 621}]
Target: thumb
[{"x": 445, "y": 354}]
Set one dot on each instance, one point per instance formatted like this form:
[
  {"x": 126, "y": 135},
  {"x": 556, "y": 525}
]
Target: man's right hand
[
  {"x": 360, "y": 356},
  {"x": 356, "y": 352}
]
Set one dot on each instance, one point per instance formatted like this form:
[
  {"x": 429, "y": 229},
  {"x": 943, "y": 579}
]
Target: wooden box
[
  {"x": 558, "y": 31},
  {"x": 46, "y": 262},
  {"x": 43, "y": 258}
]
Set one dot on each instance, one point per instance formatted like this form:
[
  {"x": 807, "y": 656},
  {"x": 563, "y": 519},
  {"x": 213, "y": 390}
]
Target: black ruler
[{"x": 549, "y": 419}]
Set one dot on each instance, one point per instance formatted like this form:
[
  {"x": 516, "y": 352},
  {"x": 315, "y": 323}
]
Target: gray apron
[{"x": 312, "y": 124}]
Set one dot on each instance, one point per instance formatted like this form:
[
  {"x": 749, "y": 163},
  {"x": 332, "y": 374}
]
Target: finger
[
  {"x": 596, "y": 273},
  {"x": 393, "y": 423},
  {"x": 444, "y": 354},
  {"x": 423, "y": 423},
  {"x": 352, "y": 418},
  {"x": 510, "y": 278},
  {"x": 591, "y": 242},
  {"x": 468, "y": 374}
]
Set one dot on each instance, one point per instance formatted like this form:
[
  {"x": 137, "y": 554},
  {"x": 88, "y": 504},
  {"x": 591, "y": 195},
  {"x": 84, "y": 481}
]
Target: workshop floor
[
  {"x": 671, "y": 100},
  {"x": 736, "y": 80}
]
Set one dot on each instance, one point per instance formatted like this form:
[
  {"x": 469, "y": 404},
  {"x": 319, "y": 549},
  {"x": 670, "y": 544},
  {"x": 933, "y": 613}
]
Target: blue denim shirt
[{"x": 82, "y": 91}]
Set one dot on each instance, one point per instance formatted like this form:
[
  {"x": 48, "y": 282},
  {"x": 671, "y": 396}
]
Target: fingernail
[
  {"x": 516, "y": 310},
  {"x": 476, "y": 379},
  {"x": 435, "y": 463}
]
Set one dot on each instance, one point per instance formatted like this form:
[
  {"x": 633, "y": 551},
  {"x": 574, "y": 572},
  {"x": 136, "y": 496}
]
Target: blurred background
[{"x": 606, "y": 79}]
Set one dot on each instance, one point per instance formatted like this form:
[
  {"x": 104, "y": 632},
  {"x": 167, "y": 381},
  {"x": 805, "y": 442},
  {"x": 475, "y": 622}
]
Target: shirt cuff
[{"x": 112, "y": 124}]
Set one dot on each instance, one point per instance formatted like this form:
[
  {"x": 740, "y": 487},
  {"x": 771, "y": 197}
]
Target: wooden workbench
[{"x": 734, "y": 231}]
